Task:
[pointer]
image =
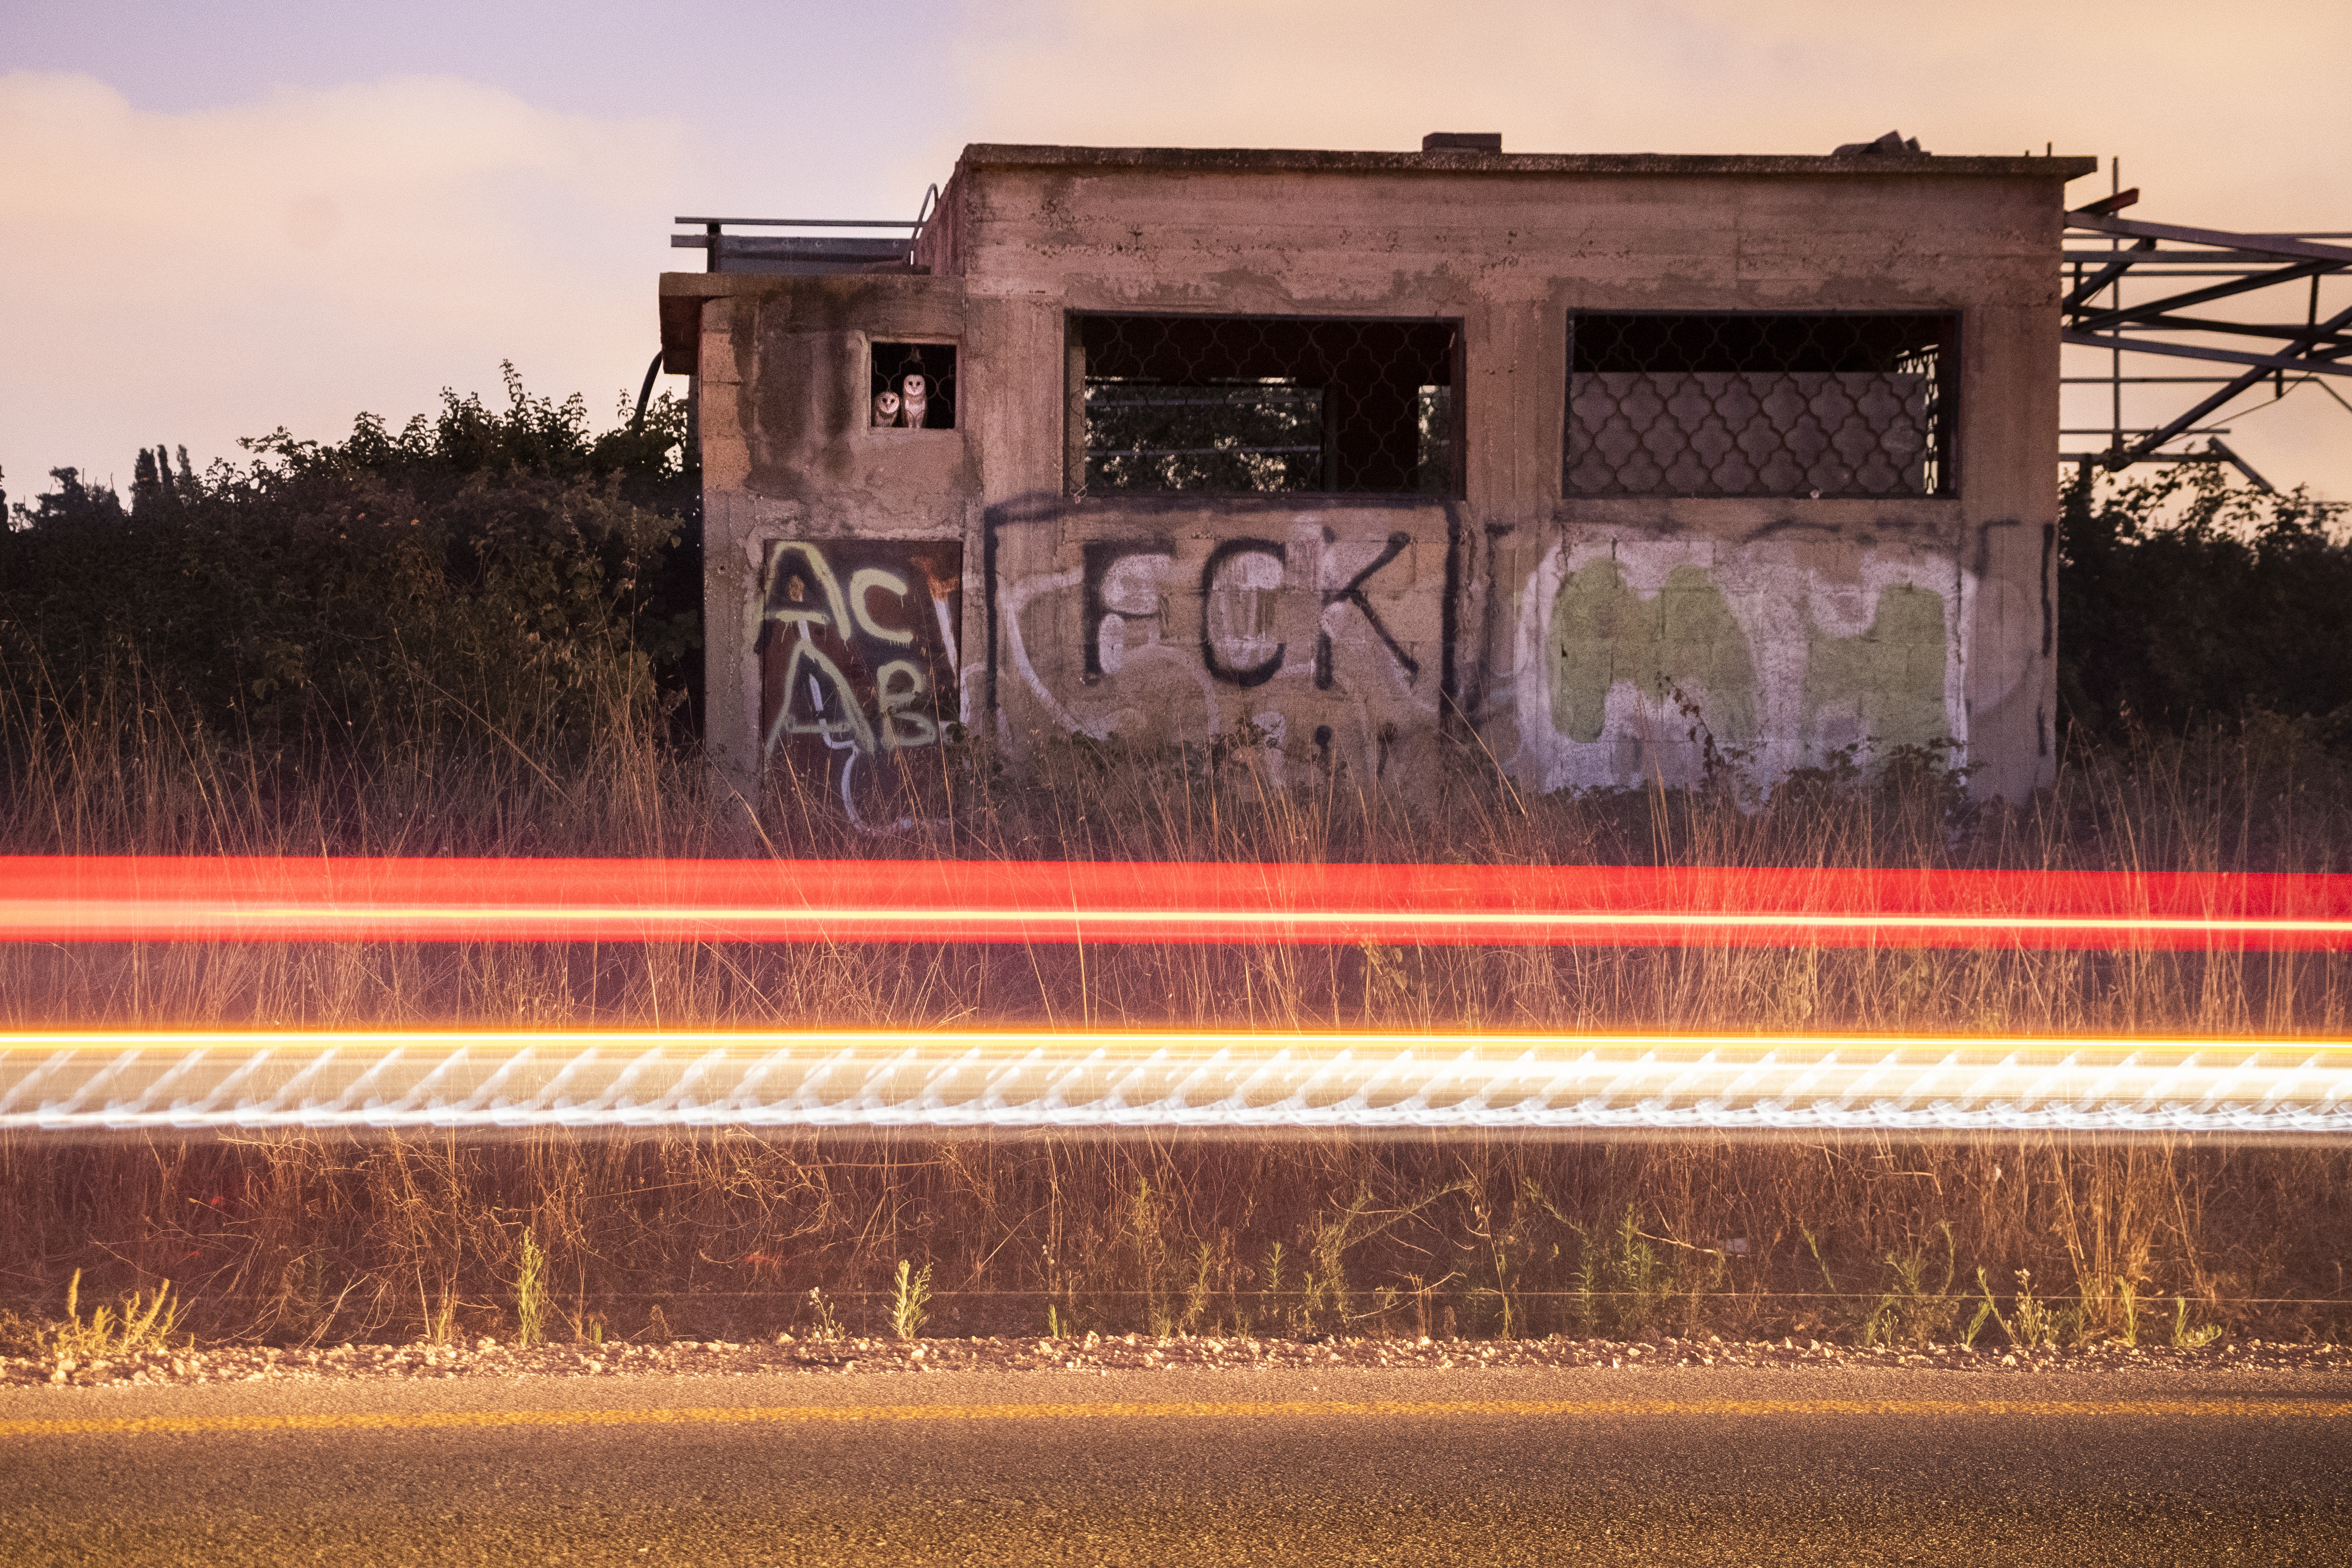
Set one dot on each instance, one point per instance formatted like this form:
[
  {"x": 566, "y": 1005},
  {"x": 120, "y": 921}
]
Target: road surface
[{"x": 1549, "y": 1466}]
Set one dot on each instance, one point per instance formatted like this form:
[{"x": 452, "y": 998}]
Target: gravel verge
[{"x": 487, "y": 1358}]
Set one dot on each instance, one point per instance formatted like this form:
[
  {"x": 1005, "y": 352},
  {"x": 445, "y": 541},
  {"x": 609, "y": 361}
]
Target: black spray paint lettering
[
  {"x": 1353, "y": 593},
  {"x": 1226, "y": 555}
]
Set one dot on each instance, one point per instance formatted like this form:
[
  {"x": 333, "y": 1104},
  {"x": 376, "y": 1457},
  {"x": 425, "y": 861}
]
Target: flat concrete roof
[{"x": 1268, "y": 160}]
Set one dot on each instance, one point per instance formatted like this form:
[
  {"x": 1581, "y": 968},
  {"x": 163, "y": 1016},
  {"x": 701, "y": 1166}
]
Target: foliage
[
  {"x": 497, "y": 572},
  {"x": 139, "y": 1325},
  {"x": 531, "y": 1293},
  {"x": 2184, "y": 599},
  {"x": 910, "y": 1299}
]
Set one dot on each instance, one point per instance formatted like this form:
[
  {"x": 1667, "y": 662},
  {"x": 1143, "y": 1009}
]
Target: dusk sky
[{"x": 215, "y": 220}]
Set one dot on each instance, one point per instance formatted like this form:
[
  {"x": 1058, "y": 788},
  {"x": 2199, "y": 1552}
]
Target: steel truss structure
[{"x": 2191, "y": 285}]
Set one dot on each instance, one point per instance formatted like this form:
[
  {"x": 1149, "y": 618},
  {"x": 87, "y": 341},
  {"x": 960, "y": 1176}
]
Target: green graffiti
[
  {"x": 1684, "y": 641},
  {"x": 1891, "y": 676}
]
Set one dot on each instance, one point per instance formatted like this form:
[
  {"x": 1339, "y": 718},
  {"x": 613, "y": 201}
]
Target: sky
[{"x": 218, "y": 219}]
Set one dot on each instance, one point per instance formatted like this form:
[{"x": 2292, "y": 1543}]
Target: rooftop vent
[
  {"x": 1892, "y": 144},
  {"x": 1463, "y": 141}
]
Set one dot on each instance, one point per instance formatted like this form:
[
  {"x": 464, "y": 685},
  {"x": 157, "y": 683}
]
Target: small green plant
[
  {"x": 2190, "y": 1336},
  {"x": 531, "y": 1294},
  {"x": 440, "y": 1324},
  {"x": 1052, "y": 1321},
  {"x": 1621, "y": 1281},
  {"x": 910, "y": 1299},
  {"x": 138, "y": 1327},
  {"x": 1911, "y": 1311},
  {"x": 1203, "y": 1286},
  {"x": 2128, "y": 1297},
  {"x": 2032, "y": 1325},
  {"x": 1988, "y": 1311},
  {"x": 824, "y": 1324}
]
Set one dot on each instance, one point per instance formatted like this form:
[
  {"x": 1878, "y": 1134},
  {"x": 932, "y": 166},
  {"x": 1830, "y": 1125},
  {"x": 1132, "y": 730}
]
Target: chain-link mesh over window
[
  {"x": 1761, "y": 404},
  {"x": 1262, "y": 404},
  {"x": 913, "y": 386}
]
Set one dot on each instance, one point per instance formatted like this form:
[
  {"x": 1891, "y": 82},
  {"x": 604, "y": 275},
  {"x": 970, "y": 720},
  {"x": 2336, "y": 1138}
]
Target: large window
[
  {"x": 1761, "y": 404},
  {"x": 1278, "y": 404}
]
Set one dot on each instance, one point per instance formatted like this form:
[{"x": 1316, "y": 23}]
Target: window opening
[
  {"x": 1761, "y": 404},
  {"x": 914, "y": 386},
  {"x": 1267, "y": 405}
]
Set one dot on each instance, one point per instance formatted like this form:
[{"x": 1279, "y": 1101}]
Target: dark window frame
[
  {"x": 951, "y": 387},
  {"x": 1938, "y": 426},
  {"x": 1080, "y": 476}
]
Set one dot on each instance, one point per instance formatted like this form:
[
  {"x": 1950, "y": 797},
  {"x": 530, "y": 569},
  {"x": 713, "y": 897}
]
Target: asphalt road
[{"x": 1478, "y": 1467}]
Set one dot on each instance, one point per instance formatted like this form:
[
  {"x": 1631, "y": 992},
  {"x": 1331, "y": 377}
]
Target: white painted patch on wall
[{"x": 1666, "y": 645}]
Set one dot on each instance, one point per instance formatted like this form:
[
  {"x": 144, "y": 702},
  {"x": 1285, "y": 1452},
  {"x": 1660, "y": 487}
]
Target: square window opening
[
  {"x": 1263, "y": 405},
  {"x": 1762, "y": 404},
  {"x": 914, "y": 386}
]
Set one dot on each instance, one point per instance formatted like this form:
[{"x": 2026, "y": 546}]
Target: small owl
[
  {"x": 913, "y": 400},
  {"x": 886, "y": 408}
]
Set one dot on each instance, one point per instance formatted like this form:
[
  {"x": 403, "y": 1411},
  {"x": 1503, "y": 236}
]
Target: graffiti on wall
[
  {"x": 1322, "y": 636},
  {"x": 857, "y": 668},
  {"x": 1633, "y": 655}
]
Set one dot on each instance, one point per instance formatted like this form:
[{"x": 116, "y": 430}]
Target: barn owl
[
  {"x": 886, "y": 408},
  {"x": 913, "y": 400}
]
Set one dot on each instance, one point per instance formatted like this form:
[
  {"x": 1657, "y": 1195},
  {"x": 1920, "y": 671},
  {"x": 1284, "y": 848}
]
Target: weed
[
  {"x": 2032, "y": 1325},
  {"x": 911, "y": 1300},
  {"x": 1988, "y": 1311},
  {"x": 1911, "y": 1312},
  {"x": 823, "y": 1323},
  {"x": 138, "y": 1326},
  {"x": 2185, "y": 1335},
  {"x": 531, "y": 1294}
]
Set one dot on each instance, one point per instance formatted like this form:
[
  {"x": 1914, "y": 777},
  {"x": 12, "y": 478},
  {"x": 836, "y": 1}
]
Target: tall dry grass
[{"x": 296, "y": 1237}]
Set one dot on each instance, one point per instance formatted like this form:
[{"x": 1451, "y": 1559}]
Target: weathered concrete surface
[
  {"x": 1319, "y": 630},
  {"x": 1791, "y": 627}
]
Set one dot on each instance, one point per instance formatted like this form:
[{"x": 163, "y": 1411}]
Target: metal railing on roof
[{"x": 805, "y": 254}]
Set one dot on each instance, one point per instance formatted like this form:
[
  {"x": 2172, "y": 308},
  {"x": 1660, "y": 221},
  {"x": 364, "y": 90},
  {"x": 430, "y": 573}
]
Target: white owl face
[
  {"x": 914, "y": 385},
  {"x": 886, "y": 407}
]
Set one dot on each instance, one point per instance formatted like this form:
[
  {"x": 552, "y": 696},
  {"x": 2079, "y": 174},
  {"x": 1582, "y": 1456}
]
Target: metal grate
[
  {"x": 933, "y": 366},
  {"x": 1761, "y": 404},
  {"x": 1262, "y": 404}
]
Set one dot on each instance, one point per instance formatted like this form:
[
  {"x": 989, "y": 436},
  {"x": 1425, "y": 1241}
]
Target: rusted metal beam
[{"x": 2263, "y": 244}]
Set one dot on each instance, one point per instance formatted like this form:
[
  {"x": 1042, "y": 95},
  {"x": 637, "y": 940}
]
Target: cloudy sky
[{"x": 216, "y": 219}]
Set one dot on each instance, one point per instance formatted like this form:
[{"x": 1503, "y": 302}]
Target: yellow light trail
[
  {"x": 2252, "y": 1409},
  {"x": 1209, "y": 1079}
]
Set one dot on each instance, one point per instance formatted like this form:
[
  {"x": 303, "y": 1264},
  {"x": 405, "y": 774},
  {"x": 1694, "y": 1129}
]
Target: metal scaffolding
[{"x": 2160, "y": 290}]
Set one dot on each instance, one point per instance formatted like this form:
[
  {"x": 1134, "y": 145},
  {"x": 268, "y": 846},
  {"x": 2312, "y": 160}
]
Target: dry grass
[{"x": 293, "y": 1238}]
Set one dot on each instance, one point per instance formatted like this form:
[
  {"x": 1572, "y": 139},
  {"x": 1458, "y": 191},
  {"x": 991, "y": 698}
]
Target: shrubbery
[
  {"x": 2184, "y": 600},
  {"x": 500, "y": 569}
]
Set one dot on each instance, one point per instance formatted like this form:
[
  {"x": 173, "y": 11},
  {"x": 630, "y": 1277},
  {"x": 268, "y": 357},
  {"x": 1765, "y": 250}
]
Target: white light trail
[{"x": 1016, "y": 1080}]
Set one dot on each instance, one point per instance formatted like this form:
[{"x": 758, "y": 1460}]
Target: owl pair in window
[{"x": 905, "y": 408}]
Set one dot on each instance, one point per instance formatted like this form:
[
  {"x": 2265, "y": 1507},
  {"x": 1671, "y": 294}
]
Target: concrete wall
[{"x": 1586, "y": 639}]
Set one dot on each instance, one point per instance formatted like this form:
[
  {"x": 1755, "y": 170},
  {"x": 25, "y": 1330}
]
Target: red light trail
[{"x": 84, "y": 899}]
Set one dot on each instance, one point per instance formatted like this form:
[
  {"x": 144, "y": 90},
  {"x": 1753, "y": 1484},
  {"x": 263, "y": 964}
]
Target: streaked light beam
[
  {"x": 75, "y": 899},
  {"x": 1918, "y": 1085}
]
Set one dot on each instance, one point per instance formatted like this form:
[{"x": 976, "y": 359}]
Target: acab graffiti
[{"x": 858, "y": 657}]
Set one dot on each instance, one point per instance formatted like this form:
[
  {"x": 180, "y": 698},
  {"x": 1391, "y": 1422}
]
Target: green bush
[
  {"x": 505, "y": 574},
  {"x": 2184, "y": 600}
]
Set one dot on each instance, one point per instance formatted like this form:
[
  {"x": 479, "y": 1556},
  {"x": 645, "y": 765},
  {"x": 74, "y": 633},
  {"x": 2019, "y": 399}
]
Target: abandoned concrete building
[{"x": 1589, "y": 463}]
